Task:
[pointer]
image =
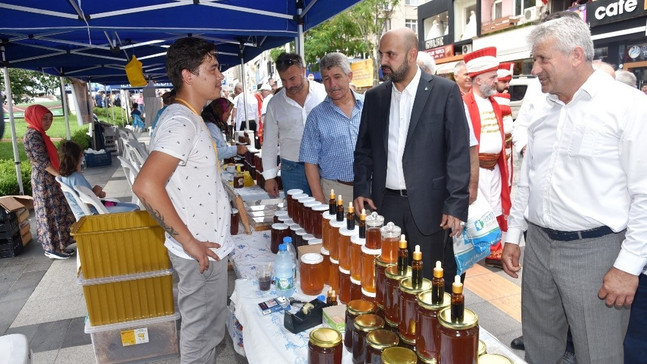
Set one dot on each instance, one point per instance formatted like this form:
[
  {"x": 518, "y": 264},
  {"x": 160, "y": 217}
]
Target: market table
[{"x": 265, "y": 338}]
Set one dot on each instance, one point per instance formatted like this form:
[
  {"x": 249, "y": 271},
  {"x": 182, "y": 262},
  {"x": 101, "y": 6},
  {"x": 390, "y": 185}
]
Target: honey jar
[
  {"x": 398, "y": 355},
  {"x": 317, "y": 220},
  {"x": 311, "y": 273},
  {"x": 333, "y": 275},
  {"x": 408, "y": 304},
  {"x": 279, "y": 231},
  {"x": 355, "y": 289},
  {"x": 458, "y": 340},
  {"x": 373, "y": 236},
  {"x": 368, "y": 268},
  {"x": 326, "y": 218},
  {"x": 343, "y": 245},
  {"x": 376, "y": 342},
  {"x": 392, "y": 295},
  {"x": 308, "y": 215},
  {"x": 324, "y": 346},
  {"x": 355, "y": 308},
  {"x": 390, "y": 235},
  {"x": 428, "y": 330},
  {"x": 325, "y": 265},
  {"x": 380, "y": 280},
  {"x": 363, "y": 324},
  {"x": 291, "y": 199},
  {"x": 356, "y": 257},
  {"x": 333, "y": 248},
  {"x": 344, "y": 285}
]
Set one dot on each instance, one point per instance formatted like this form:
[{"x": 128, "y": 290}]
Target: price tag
[{"x": 134, "y": 337}]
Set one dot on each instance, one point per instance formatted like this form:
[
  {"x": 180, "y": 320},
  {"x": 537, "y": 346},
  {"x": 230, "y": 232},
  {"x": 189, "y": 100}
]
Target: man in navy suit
[{"x": 412, "y": 161}]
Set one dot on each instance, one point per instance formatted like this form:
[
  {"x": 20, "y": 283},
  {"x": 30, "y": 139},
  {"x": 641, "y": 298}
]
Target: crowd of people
[{"x": 418, "y": 149}]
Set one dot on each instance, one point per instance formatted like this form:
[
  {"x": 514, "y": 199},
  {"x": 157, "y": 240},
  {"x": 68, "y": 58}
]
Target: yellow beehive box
[
  {"x": 129, "y": 297},
  {"x": 120, "y": 243}
]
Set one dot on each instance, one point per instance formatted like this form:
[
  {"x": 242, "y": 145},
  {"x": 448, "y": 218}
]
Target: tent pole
[
  {"x": 299, "y": 42},
  {"x": 242, "y": 73},
  {"x": 68, "y": 135},
  {"x": 14, "y": 141}
]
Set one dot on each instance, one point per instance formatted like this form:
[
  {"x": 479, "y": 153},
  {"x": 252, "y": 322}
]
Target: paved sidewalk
[{"x": 41, "y": 298}]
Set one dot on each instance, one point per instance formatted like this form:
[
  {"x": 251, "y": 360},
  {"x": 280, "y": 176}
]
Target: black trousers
[
  {"x": 434, "y": 247},
  {"x": 252, "y": 125}
]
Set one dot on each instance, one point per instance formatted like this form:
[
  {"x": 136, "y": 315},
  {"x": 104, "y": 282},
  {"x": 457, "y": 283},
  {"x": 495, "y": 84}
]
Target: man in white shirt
[
  {"x": 283, "y": 126},
  {"x": 180, "y": 185},
  {"x": 245, "y": 117},
  {"x": 582, "y": 197},
  {"x": 485, "y": 115}
]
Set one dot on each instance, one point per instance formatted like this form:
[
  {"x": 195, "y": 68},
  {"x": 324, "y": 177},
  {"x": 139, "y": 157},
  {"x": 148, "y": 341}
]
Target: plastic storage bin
[
  {"x": 97, "y": 159},
  {"x": 129, "y": 297},
  {"x": 120, "y": 243},
  {"x": 139, "y": 341}
]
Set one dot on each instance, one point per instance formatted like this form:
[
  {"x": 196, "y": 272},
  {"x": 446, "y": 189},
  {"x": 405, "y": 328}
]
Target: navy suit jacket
[{"x": 436, "y": 161}]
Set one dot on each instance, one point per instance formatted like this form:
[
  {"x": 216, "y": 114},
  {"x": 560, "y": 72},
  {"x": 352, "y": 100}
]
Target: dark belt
[
  {"x": 402, "y": 193},
  {"x": 577, "y": 235},
  {"x": 345, "y": 183}
]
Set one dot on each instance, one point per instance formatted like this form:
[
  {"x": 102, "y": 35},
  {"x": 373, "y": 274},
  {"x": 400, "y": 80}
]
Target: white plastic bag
[{"x": 479, "y": 233}]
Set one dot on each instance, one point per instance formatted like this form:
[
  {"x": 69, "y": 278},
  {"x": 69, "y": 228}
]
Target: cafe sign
[
  {"x": 611, "y": 11},
  {"x": 441, "y": 52}
]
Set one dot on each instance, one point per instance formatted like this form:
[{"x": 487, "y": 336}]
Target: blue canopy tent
[{"x": 93, "y": 40}]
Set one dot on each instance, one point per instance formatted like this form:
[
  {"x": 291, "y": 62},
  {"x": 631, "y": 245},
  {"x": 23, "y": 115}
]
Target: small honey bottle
[
  {"x": 340, "y": 208},
  {"x": 332, "y": 207},
  {"x": 437, "y": 285},
  {"x": 362, "y": 224},
  {"x": 350, "y": 217},
  {"x": 458, "y": 300},
  {"x": 331, "y": 299},
  {"x": 416, "y": 268},
  {"x": 403, "y": 255}
]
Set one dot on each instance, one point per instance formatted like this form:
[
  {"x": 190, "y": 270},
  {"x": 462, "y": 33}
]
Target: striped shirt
[{"x": 329, "y": 139}]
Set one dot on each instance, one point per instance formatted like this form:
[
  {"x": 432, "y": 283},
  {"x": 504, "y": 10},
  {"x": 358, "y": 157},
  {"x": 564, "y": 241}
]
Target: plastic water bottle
[
  {"x": 284, "y": 272},
  {"x": 292, "y": 250}
]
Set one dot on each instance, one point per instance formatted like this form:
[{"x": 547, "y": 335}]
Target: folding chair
[
  {"x": 87, "y": 195},
  {"x": 73, "y": 199},
  {"x": 130, "y": 171}
]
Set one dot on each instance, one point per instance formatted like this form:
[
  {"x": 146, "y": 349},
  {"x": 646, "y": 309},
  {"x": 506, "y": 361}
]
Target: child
[{"x": 71, "y": 156}]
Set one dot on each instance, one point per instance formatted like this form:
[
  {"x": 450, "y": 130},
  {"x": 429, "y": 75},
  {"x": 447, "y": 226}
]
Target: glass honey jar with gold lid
[{"x": 324, "y": 346}]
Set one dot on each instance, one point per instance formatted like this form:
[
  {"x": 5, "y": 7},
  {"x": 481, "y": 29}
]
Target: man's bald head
[{"x": 406, "y": 36}]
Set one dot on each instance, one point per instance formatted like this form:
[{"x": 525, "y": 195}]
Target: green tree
[
  {"x": 338, "y": 34},
  {"x": 27, "y": 84}
]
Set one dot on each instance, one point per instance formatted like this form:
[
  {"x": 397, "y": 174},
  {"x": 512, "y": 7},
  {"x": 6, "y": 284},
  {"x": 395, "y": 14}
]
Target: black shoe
[
  {"x": 517, "y": 343},
  {"x": 496, "y": 263}
]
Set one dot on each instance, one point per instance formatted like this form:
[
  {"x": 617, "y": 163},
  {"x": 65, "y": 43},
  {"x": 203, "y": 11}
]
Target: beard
[
  {"x": 400, "y": 74},
  {"x": 487, "y": 90}
]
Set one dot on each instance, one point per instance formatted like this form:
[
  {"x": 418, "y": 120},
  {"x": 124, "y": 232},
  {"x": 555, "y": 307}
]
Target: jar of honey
[
  {"x": 325, "y": 266},
  {"x": 368, "y": 268},
  {"x": 368, "y": 296},
  {"x": 301, "y": 210},
  {"x": 390, "y": 234},
  {"x": 363, "y": 325},
  {"x": 324, "y": 346},
  {"x": 295, "y": 233},
  {"x": 380, "y": 280},
  {"x": 458, "y": 340},
  {"x": 326, "y": 218},
  {"x": 333, "y": 247},
  {"x": 308, "y": 216},
  {"x": 482, "y": 348},
  {"x": 317, "y": 217},
  {"x": 300, "y": 235},
  {"x": 291, "y": 199},
  {"x": 392, "y": 294},
  {"x": 408, "y": 304},
  {"x": 333, "y": 275},
  {"x": 355, "y": 308},
  {"x": 373, "y": 224},
  {"x": 398, "y": 355},
  {"x": 355, "y": 289},
  {"x": 494, "y": 359},
  {"x": 356, "y": 244},
  {"x": 280, "y": 216},
  {"x": 376, "y": 342},
  {"x": 279, "y": 231},
  {"x": 311, "y": 274},
  {"x": 343, "y": 245},
  {"x": 344, "y": 285},
  {"x": 428, "y": 330}
]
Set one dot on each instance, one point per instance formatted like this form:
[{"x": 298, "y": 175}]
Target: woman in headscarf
[
  {"x": 53, "y": 215},
  {"x": 215, "y": 115}
]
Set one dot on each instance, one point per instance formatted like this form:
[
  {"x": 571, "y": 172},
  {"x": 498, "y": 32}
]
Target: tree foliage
[{"x": 26, "y": 85}]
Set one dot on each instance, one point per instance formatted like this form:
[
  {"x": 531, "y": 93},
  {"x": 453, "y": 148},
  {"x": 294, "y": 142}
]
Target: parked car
[{"x": 518, "y": 88}]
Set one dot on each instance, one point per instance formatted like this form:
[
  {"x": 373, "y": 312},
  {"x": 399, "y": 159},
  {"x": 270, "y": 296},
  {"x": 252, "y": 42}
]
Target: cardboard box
[
  {"x": 315, "y": 248},
  {"x": 14, "y": 203},
  {"x": 335, "y": 317},
  {"x": 25, "y": 232}
]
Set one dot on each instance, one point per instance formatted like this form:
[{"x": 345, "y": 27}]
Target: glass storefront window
[{"x": 436, "y": 26}]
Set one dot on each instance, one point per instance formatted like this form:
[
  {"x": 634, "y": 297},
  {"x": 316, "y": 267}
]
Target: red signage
[{"x": 442, "y": 52}]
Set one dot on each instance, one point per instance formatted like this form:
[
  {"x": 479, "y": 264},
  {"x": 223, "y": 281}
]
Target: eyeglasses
[{"x": 286, "y": 62}]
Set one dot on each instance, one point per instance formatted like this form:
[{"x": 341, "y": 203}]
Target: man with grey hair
[
  {"x": 462, "y": 78},
  {"x": 426, "y": 62},
  {"x": 586, "y": 241},
  {"x": 331, "y": 130},
  {"x": 626, "y": 77}
]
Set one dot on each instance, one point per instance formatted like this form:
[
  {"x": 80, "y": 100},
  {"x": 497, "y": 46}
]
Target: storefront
[{"x": 619, "y": 34}]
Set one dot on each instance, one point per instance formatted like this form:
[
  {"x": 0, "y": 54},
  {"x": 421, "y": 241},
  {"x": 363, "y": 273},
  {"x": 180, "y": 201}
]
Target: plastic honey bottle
[
  {"x": 350, "y": 217},
  {"x": 403, "y": 255},
  {"x": 340, "y": 208},
  {"x": 458, "y": 300},
  {"x": 416, "y": 268},
  {"x": 437, "y": 284},
  {"x": 362, "y": 224},
  {"x": 332, "y": 207}
]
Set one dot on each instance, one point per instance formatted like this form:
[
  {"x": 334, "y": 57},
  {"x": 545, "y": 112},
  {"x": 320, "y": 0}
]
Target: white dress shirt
[
  {"x": 283, "y": 125},
  {"x": 239, "y": 106},
  {"x": 585, "y": 167},
  {"x": 399, "y": 119}
]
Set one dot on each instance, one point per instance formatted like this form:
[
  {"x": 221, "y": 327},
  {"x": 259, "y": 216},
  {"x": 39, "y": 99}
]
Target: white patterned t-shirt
[{"x": 195, "y": 188}]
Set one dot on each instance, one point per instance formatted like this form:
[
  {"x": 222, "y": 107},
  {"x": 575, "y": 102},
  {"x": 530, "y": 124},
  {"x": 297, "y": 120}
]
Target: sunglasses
[{"x": 287, "y": 62}]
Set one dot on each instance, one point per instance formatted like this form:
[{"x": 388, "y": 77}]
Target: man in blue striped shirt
[{"x": 331, "y": 131}]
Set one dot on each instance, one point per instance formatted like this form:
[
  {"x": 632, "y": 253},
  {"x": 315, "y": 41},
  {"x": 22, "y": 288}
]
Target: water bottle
[
  {"x": 292, "y": 250},
  {"x": 284, "y": 272}
]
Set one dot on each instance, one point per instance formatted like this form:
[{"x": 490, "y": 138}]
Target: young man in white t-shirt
[{"x": 180, "y": 186}]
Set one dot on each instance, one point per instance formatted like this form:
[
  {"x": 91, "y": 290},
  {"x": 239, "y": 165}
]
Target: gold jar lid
[
  {"x": 368, "y": 322},
  {"x": 406, "y": 286},
  {"x": 381, "y": 339},
  {"x": 494, "y": 359},
  {"x": 382, "y": 263},
  {"x": 399, "y": 355},
  {"x": 470, "y": 319},
  {"x": 426, "y": 360},
  {"x": 392, "y": 272},
  {"x": 482, "y": 348},
  {"x": 325, "y": 337},
  {"x": 360, "y": 307},
  {"x": 424, "y": 300}
]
